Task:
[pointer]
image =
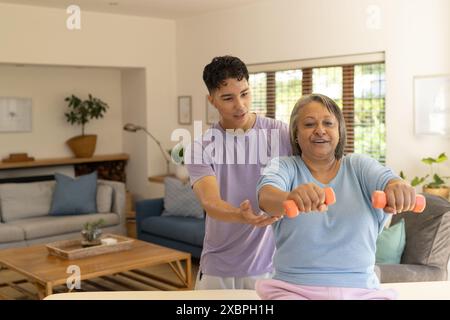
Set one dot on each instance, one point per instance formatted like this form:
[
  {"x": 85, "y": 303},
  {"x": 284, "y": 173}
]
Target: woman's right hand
[{"x": 308, "y": 197}]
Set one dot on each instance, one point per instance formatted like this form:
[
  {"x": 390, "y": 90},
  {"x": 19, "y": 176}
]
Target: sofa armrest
[
  {"x": 147, "y": 208},
  {"x": 410, "y": 273},
  {"x": 119, "y": 198}
]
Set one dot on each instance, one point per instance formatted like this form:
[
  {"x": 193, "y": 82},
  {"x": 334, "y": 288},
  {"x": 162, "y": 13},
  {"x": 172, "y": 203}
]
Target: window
[
  {"x": 358, "y": 88},
  {"x": 258, "y": 84},
  {"x": 369, "y": 121},
  {"x": 288, "y": 88}
]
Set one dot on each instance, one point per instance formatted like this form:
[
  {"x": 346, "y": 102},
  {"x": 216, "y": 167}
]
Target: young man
[{"x": 226, "y": 165}]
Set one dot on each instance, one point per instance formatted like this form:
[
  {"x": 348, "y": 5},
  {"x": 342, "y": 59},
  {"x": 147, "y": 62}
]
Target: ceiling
[{"x": 168, "y": 9}]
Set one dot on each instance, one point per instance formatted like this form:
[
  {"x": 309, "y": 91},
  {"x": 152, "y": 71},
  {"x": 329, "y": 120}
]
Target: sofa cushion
[
  {"x": 104, "y": 198},
  {"x": 50, "y": 226},
  {"x": 10, "y": 233},
  {"x": 391, "y": 243},
  {"x": 427, "y": 234},
  {"x": 409, "y": 273},
  {"x": 180, "y": 200},
  {"x": 74, "y": 195},
  {"x": 188, "y": 230},
  {"x": 25, "y": 200}
]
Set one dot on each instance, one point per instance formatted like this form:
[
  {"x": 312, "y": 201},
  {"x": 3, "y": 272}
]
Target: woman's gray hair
[{"x": 332, "y": 107}]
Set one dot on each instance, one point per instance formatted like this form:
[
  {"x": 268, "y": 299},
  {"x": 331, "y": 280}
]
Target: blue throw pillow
[
  {"x": 74, "y": 196},
  {"x": 391, "y": 243}
]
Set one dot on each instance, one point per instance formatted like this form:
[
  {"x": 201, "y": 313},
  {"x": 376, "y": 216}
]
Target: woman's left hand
[{"x": 400, "y": 196}]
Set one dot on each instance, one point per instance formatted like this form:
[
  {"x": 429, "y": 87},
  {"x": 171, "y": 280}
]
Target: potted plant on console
[
  {"x": 437, "y": 185},
  {"x": 81, "y": 112}
]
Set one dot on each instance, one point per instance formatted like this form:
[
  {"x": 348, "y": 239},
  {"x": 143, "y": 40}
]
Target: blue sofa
[{"x": 180, "y": 233}]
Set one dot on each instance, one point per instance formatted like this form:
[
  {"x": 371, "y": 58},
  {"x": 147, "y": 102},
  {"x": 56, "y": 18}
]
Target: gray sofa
[
  {"x": 427, "y": 250},
  {"x": 24, "y": 209}
]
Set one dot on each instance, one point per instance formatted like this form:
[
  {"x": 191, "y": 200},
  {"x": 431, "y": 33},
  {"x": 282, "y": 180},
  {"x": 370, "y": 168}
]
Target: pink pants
[{"x": 279, "y": 290}]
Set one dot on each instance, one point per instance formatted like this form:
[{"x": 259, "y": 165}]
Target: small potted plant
[
  {"x": 91, "y": 233},
  {"x": 81, "y": 112},
  {"x": 177, "y": 155},
  {"x": 437, "y": 185}
]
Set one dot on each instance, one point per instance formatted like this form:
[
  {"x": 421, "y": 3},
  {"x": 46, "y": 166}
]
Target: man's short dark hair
[{"x": 222, "y": 68}]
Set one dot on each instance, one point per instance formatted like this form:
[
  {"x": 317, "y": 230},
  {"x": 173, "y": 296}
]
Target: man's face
[{"x": 233, "y": 100}]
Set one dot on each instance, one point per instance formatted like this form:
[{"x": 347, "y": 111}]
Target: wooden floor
[{"x": 22, "y": 290}]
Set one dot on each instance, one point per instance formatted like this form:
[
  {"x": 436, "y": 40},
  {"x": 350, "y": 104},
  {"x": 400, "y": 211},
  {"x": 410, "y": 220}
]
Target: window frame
[{"x": 347, "y": 63}]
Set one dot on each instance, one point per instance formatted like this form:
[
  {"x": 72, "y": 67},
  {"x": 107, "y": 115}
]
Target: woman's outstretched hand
[
  {"x": 400, "y": 197},
  {"x": 308, "y": 197}
]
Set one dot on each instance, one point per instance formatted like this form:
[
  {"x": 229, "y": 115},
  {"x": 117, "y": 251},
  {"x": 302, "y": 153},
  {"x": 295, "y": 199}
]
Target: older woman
[{"x": 327, "y": 252}]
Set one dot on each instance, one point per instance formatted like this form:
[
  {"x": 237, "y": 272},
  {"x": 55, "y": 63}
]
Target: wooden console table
[
  {"x": 61, "y": 161},
  {"x": 109, "y": 167}
]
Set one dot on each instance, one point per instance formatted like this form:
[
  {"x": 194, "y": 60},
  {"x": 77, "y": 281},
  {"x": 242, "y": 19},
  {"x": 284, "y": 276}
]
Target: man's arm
[{"x": 207, "y": 191}]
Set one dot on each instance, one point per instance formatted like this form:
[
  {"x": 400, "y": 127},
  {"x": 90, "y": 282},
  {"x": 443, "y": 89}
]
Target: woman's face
[{"x": 318, "y": 131}]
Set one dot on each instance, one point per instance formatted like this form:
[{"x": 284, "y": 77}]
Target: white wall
[
  {"x": 417, "y": 43},
  {"x": 38, "y": 36},
  {"x": 413, "y": 33},
  {"x": 48, "y": 87}
]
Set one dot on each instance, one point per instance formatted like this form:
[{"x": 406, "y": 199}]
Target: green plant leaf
[
  {"x": 90, "y": 226},
  {"x": 402, "y": 175},
  {"x": 428, "y": 160},
  {"x": 81, "y": 111},
  {"x": 416, "y": 181},
  {"x": 437, "y": 179},
  {"x": 177, "y": 153},
  {"x": 441, "y": 158}
]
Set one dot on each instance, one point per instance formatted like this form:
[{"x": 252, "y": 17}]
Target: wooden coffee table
[{"x": 47, "y": 271}]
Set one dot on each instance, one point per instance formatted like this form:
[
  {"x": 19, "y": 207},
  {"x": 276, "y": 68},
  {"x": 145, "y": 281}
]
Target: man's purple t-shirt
[{"x": 237, "y": 161}]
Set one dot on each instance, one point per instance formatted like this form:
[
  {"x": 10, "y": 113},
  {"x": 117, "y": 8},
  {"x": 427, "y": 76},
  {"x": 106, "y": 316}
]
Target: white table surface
[{"x": 435, "y": 290}]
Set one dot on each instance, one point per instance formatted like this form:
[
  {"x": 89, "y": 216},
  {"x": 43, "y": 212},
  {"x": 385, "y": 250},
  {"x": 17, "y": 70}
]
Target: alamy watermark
[
  {"x": 74, "y": 280},
  {"x": 373, "y": 17},
  {"x": 73, "y": 22},
  {"x": 255, "y": 146}
]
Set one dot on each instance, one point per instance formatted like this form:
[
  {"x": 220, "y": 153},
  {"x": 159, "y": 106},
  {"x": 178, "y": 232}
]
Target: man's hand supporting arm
[{"x": 207, "y": 191}]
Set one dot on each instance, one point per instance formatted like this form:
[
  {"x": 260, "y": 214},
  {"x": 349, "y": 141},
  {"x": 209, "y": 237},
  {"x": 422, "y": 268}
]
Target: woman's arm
[{"x": 271, "y": 200}]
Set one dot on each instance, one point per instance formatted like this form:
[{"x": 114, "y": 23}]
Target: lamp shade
[{"x": 132, "y": 127}]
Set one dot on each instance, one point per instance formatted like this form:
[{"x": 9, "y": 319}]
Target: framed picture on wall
[
  {"x": 15, "y": 114},
  {"x": 212, "y": 115},
  {"x": 432, "y": 105},
  {"x": 184, "y": 110}
]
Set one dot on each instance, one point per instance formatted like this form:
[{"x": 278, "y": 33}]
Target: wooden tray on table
[{"x": 73, "y": 249}]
